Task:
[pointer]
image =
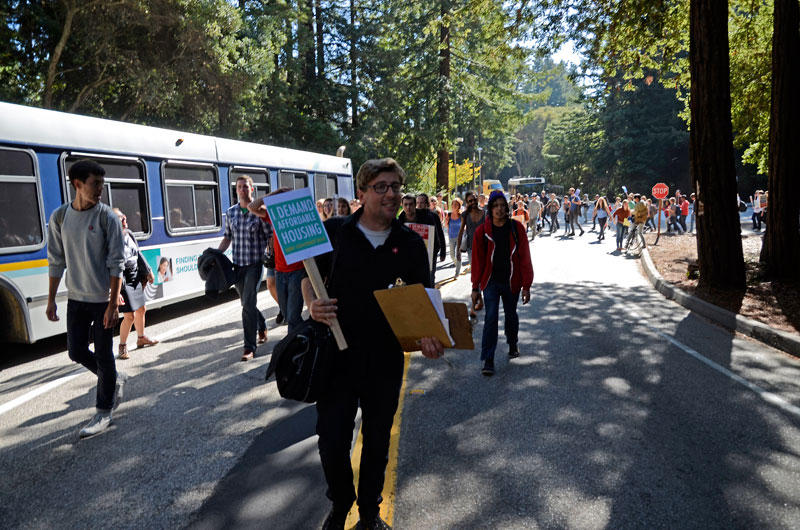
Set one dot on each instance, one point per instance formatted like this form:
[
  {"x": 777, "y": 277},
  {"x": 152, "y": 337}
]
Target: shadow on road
[{"x": 602, "y": 423}]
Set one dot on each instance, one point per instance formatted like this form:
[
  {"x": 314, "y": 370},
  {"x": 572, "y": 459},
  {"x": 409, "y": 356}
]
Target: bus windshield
[{"x": 526, "y": 185}]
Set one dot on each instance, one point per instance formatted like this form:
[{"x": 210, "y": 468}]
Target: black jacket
[
  {"x": 216, "y": 270},
  {"x": 359, "y": 271},
  {"x": 427, "y": 217}
]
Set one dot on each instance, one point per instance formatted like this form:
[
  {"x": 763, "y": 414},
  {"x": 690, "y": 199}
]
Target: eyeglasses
[{"x": 383, "y": 187}]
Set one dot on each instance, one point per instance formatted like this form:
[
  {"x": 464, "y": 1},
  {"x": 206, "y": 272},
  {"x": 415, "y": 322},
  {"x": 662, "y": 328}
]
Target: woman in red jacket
[{"x": 501, "y": 268}]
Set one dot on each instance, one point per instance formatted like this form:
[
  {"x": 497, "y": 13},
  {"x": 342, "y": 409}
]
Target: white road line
[
  {"x": 16, "y": 402},
  {"x": 767, "y": 396}
]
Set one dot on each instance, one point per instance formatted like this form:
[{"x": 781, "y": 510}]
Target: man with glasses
[{"x": 371, "y": 250}]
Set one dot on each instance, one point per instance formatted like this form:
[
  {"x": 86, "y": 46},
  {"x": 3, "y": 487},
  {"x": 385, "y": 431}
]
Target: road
[{"x": 624, "y": 411}]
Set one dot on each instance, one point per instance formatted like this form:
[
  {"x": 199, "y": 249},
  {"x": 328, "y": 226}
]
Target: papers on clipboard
[
  {"x": 415, "y": 312},
  {"x": 436, "y": 299}
]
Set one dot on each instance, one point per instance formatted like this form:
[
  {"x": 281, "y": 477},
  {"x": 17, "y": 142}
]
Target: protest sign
[
  {"x": 302, "y": 236},
  {"x": 426, "y": 232},
  {"x": 300, "y": 231}
]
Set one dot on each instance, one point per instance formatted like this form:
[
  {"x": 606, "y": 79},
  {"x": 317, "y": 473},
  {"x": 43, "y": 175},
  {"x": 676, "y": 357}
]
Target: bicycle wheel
[
  {"x": 636, "y": 241},
  {"x": 629, "y": 238}
]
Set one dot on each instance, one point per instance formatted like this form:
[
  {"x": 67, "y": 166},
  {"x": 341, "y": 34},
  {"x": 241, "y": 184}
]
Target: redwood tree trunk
[
  {"x": 306, "y": 44},
  {"x": 353, "y": 68},
  {"x": 443, "y": 158},
  {"x": 781, "y": 250},
  {"x": 320, "y": 40},
  {"x": 719, "y": 240}
]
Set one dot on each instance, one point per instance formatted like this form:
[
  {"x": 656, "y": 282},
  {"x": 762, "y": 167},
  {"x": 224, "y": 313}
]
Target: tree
[
  {"x": 719, "y": 243},
  {"x": 781, "y": 250},
  {"x": 161, "y": 62},
  {"x": 571, "y": 146}
]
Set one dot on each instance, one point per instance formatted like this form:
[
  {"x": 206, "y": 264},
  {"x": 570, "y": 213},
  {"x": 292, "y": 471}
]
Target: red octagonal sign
[{"x": 660, "y": 191}]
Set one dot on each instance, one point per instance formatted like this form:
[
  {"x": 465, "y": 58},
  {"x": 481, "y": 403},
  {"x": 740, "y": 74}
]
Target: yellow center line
[{"x": 390, "y": 482}]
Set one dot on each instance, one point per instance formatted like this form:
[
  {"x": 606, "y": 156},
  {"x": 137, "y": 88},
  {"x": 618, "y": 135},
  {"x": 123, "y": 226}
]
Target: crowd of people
[
  {"x": 373, "y": 246},
  {"x": 375, "y": 242}
]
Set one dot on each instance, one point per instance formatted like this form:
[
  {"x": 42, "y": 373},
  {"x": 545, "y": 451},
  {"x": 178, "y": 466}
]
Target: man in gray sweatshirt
[{"x": 85, "y": 236}]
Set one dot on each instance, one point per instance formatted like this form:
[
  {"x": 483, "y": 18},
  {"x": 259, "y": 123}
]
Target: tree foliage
[{"x": 313, "y": 74}]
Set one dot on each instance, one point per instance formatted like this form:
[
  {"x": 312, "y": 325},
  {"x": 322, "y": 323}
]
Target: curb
[{"x": 782, "y": 340}]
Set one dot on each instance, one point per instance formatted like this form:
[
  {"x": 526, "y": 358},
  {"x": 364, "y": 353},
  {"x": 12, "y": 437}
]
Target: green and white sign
[{"x": 297, "y": 224}]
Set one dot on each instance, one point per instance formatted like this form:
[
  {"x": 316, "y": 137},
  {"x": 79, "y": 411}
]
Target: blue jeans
[
  {"x": 492, "y": 295},
  {"x": 621, "y": 231},
  {"x": 248, "y": 281},
  {"x": 290, "y": 296},
  {"x": 85, "y": 323}
]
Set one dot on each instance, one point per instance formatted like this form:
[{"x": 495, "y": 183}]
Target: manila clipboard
[{"x": 412, "y": 316}]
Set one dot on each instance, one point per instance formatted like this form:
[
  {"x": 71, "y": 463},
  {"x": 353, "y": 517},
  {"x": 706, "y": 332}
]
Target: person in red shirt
[
  {"x": 620, "y": 217},
  {"x": 684, "y": 213}
]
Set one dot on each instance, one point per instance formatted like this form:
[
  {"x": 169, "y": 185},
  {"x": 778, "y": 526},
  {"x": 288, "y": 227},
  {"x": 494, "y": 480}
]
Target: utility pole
[
  {"x": 455, "y": 163},
  {"x": 480, "y": 170}
]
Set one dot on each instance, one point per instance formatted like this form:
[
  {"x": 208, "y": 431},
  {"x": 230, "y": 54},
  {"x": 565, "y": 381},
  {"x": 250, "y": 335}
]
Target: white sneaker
[
  {"x": 97, "y": 424},
  {"x": 122, "y": 378}
]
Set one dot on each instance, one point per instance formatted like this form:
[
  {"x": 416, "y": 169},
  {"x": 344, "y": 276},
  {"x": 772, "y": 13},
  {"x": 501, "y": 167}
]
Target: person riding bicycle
[
  {"x": 640, "y": 210},
  {"x": 640, "y": 214}
]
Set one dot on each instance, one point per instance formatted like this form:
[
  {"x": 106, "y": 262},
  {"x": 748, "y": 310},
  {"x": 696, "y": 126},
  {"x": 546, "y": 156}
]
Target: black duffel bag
[{"x": 303, "y": 362}]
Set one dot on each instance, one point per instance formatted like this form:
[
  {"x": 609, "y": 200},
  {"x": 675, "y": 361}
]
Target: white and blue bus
[
  {"x": 173, "y": 186},
  {"x": 526, "y": 185}
]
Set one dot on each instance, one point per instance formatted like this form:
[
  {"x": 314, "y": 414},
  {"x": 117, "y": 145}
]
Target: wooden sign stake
[{"x": 319, "y": 289}]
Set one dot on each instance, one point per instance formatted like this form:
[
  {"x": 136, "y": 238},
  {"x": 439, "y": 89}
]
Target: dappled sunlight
[
  {"x": 617, "y": 386},
  {"x": 609, "y": 426}
]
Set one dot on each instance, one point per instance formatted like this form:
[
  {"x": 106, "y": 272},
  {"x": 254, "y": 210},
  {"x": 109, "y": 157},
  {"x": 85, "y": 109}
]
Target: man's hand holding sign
[{"x": 301, "y": 236}]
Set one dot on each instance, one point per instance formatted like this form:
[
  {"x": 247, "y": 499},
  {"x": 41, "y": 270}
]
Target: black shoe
[
  {"x": 513, "y": 352},
  {"x": 373, "y": 524},
  {"x": 488, "y": 367},
  {"x": 279, "y": 319},
  {"x": 335, "y": 520},
  {"x": 582, "y": 232}
]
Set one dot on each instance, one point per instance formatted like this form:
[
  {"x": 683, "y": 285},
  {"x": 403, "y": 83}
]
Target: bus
[
  {"x": 490, "y": 185},
  {"x": 173, "y": 186},
  {"x": 526, "y": 185}
]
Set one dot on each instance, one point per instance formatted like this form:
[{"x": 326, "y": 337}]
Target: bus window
[
  {"x": 260, "y": 181},
  {"x": 131, "y": 200},
  {"x": 191, "y": 197},
  {"x": 21, "y": 221},
  {"x": 325, "y": 186},
  {"x": 125, "y": 188},
  {"x": 292, "y": 180}
]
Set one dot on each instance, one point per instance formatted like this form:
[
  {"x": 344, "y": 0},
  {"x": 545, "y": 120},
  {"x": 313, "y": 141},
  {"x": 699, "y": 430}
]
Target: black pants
[
  {"x": 377, "y": 394},
  {"x": 85, "y": 325}
]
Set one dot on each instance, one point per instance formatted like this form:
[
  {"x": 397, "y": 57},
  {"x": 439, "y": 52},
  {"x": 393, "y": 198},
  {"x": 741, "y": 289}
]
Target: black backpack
[{"x": 303, "y": 361}]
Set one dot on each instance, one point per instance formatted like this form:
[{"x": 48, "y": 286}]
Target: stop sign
[{"x": 660, "y": 191}]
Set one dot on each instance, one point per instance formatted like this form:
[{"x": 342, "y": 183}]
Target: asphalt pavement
[{"x": 625, "y": 410}]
